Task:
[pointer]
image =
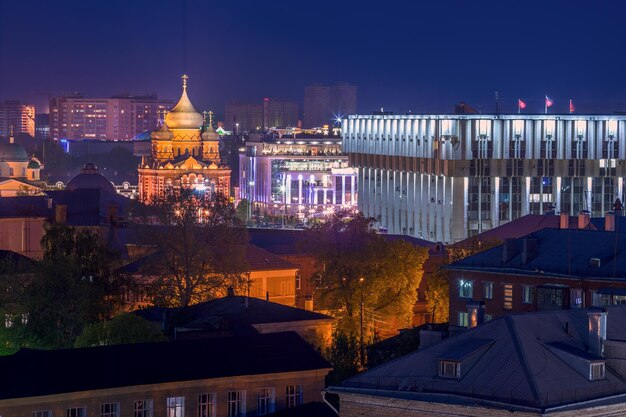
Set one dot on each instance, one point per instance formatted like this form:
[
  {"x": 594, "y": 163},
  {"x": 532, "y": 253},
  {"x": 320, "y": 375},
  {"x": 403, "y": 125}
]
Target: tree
[
  {"x": 365, "y": 278},
  {"x": 243, "y": 210},
  {"x": 122, "y": 329},
  {"x": 73, "y": 286},
  {"x": 201, "y": 248},
  {"x": 343, "y": 354}
]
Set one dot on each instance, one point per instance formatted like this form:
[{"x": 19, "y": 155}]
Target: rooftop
[
  {"x": 31, "y": 373},
  {"x": 512, "y": 362}
]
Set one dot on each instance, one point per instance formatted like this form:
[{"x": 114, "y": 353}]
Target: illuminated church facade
[{"x": 185, "y": 154}]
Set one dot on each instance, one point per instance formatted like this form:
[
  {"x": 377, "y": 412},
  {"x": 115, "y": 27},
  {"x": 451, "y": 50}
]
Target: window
[
  {"x": 110, "y": 410},
  {"x": 206, "y": 405},
  {"x": 42, "y": 413},
  {"x": 143, "y": 408},
  {"x": 11, "y": 172},
  {"x": 175, "y": 407},
  {"x": 596, "y": 371},
  {"x": 298, "y": 280},
  {"x": 449, "y": 369},
  {"x": 76, "y": 412},
  {"x": 265, "y": 401},
  {"x": 527, "y": 294},
  {"x": 488, "y": 287},
  {"x": 293, "y": 395},
  {"x": 508, "y": 296},
  {"x": 463, "y": 319},
  {"x": 236, "y": 403},
  {"x": 466, "y": 289}
]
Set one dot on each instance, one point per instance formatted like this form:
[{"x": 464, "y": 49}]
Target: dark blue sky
[{"x": 417, "y": 55}]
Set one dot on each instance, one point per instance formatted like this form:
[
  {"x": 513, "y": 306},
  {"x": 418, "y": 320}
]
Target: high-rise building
[
  {"x": 256, "y": 117},
  {"x": 323, "y": 104},
  {"x": 445, "y": 177},
  {"x": 115, "y": 118},
  {"x": 18, "y": 117},
  {"x": 42, "y": 126}
]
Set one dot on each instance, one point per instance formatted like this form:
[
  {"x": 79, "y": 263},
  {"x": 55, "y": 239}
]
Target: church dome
[
  {"x": 210, "y": 134},
  {"x": 89, "y": 179},
  {"x": 184, "y": 115},
  {"x": 34, "y": 164},
  {"x": 12, "y": 152},
  {"x": 162, "y": 134}
]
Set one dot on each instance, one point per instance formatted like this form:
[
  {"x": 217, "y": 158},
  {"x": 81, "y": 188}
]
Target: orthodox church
[
  {"x": 185, "y": 154},
  {"x": 19, "y": 173}
]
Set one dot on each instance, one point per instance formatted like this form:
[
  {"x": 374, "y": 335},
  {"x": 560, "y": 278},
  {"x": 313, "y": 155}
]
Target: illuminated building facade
[
  {"x": 17, "y": 118},
  {"x": 304, "y": 176},
  {"x": 117, "y": 118},
  {"x": 184, "y": 154},
  {"x": 449, "y": 177}
]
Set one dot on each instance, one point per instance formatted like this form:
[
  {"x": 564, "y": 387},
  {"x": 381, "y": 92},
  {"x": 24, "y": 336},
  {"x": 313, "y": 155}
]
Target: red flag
[
  {"x": 549, "y": 101},
  {"x": 571, "y": 106},
  {"x": 521, "y": 104}
]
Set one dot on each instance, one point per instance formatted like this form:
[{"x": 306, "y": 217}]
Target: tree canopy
[
  {"x": 201, "y": 246},
  {"x": 122, "y": 329}
]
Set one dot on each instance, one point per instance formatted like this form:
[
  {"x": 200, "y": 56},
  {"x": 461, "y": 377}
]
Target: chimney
[
  {"x": 530, "y": 247},
  {"x": 563, "y": 221},
  {"x": 609, "y": 221},
  {"x": 60, "y": 214},
  {"x": 509, "y": 250},
  {"x": 112, "y": 213},
  {"x": 230, "y": 292},
  {"x": 49, "y": 202},
  {"x": 597, "y": 331},
  {"x": 475, "y": 313},
  {"x": 308, "y": 303},
  {"x": 583, "y": 219}
]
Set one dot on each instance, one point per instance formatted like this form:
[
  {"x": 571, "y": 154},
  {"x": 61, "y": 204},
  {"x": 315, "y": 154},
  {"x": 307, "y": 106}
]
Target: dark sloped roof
[
  {"x": 234, "y": 311},
  {"x": 27, "y": 206},
  {"x": 563, "y": 252},
  {"x": 312, "y": 409},
  {"x": 13, "y": 262},
  {"x": 518, "y": 368},
  {"x": 259, "y": 259},
  {"x": 39, "y": 372}
]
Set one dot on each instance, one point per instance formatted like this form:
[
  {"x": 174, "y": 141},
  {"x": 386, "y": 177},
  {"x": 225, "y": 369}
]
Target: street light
[{"x": 362, "y": 345}]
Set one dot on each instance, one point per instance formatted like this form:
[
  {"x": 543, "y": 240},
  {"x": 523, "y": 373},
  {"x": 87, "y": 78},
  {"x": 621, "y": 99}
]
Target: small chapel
[{"x": 185, "y": 154}]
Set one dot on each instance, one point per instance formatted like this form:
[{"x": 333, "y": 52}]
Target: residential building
[
  {"x": 324, "y": 104},
  {"x": 16, "y": 117},
  {"x": 255, "y": 117},
  {"x": 115, "y": 118},
  {"x": 239, "y": 315},
  {"x": 445, "y": 178},
  {"x": 549, "y": 269},
  {"x": 302, "y": 176},
  {"x": 224, "y": 377},
  {"x": 185, "y": 154},
  {"x": 42, "y": 126},
  {"x": 556, "y": 363}
]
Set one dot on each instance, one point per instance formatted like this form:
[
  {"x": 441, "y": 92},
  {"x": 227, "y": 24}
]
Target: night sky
[{"x": 403, "y": 55}]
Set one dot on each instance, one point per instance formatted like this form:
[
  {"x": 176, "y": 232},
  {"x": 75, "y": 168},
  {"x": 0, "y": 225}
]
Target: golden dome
[
  {"x": 210, "y": 134},
  {"x": 162, "y": 134},
  {"x": 184, "y": 115}
]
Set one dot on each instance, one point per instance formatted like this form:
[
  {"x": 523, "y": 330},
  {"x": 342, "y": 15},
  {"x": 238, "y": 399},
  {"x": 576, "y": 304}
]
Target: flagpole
[
  {"x": 545, "y": 104},
  {"x": 519, "y": 110}
]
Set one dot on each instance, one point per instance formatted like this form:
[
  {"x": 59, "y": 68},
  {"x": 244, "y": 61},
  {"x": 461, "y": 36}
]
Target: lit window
[
  {"x": 76, "y": 412},
  {"x": 488, "y": 286},
  {"x": 298, "y": 280},
  {"x": 206, "y": 405},
  {"x": 175, "y": 407},
  {"x": 293, "y": 396},
  {"x": 508, "y": 296},
  {"x": 110, "y": 410},
  {"x": 527, "y": 295},
  {"x": 265, "y": 401},
  {"x": 236, "y": 403},
  {"x": 42, "y": 413},
  {"x": 466, "y": 289},
  {"x": 463, "y": 319}
]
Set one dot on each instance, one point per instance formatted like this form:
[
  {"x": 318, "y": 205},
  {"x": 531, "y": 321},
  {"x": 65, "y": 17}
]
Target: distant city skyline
[{"x": 418, "y": 56}]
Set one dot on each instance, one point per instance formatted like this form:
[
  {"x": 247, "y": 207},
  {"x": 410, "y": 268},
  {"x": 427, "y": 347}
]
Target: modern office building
[
  {"x": 255, "y": 117},
  {"x": 115, "y": 118},
  {"x": 448, "y": 177},
  {"x": 17, "y": 118},
  {"x": 303, "y": 176},
  {"x": 322, "y": 104}
]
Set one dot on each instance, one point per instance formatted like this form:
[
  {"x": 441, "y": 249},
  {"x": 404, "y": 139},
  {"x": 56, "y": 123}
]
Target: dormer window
[
  {"x": 596, "y": 371},
  {"x": 449, "y": 369}
]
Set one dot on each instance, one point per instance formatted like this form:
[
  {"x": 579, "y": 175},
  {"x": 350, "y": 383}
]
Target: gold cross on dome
[{"x": 185, "y": 77}]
